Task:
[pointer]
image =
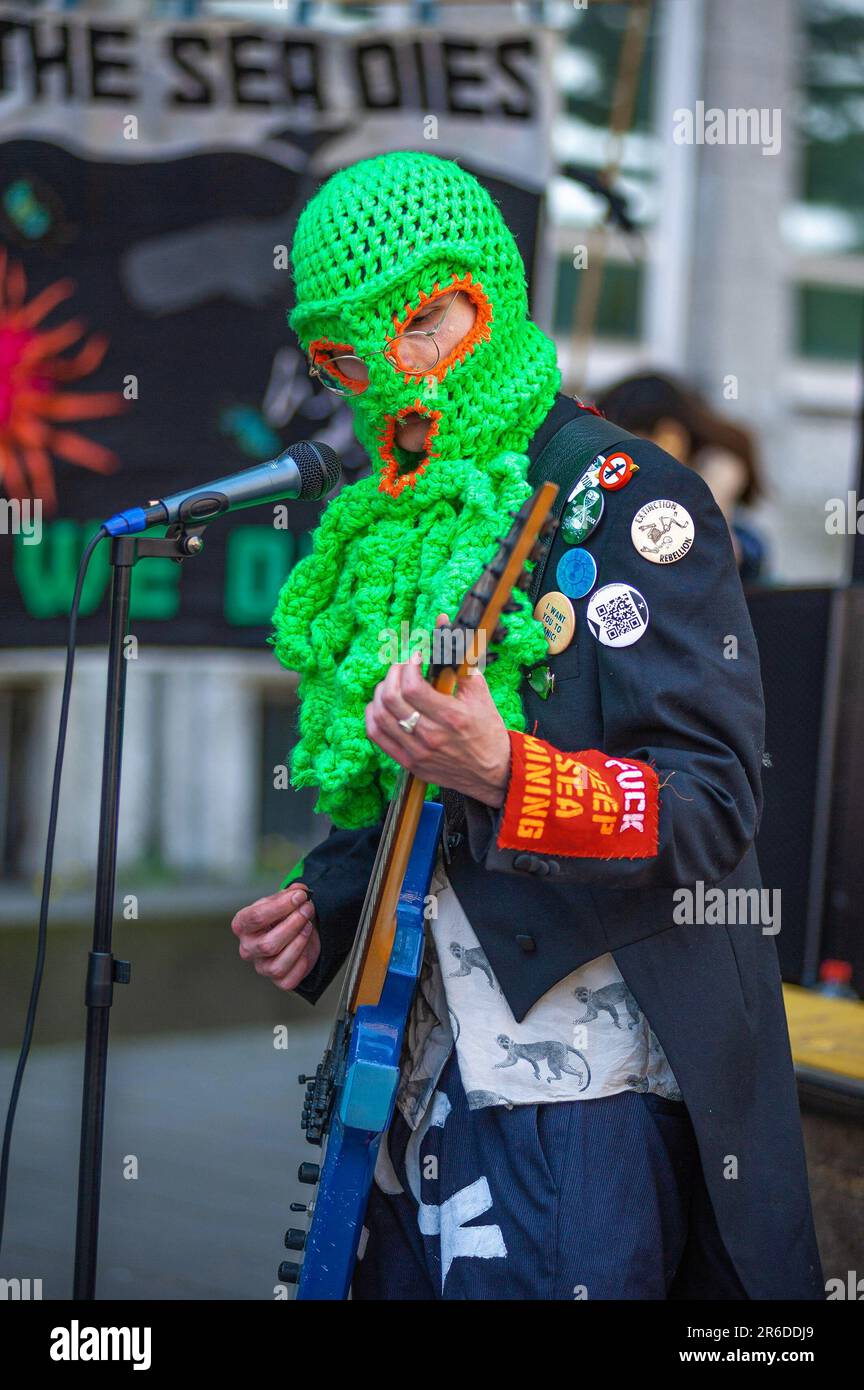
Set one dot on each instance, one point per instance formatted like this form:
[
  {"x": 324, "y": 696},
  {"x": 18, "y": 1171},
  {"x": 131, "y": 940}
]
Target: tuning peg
[
  {"x": 300, "y": 1206},
  {"x": 309, "y": 1172},
  {"x": 294, "y": 1239},
  {"x": 289, "y": 1272}
]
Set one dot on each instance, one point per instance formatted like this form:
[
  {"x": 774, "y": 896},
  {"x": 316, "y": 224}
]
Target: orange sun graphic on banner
[{"x": 35, "y": 400}]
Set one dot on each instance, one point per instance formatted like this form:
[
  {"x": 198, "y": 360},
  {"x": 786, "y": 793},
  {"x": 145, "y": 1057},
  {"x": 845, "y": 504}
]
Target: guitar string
[
  {"x": 392, "y": 818},
  {"x": 370, "y": 904}
]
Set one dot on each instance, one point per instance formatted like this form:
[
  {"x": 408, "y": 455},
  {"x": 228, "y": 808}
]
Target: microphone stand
[{"x": 103, "y": 970}]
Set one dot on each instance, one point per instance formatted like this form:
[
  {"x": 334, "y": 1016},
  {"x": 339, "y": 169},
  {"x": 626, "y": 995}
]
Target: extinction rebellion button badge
[{"x": 662, "y": 531}]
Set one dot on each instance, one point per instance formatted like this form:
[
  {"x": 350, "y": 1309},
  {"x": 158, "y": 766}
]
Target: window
[
  {"x": 587, "y": 75},
  {"x": 825, "y": 225}
]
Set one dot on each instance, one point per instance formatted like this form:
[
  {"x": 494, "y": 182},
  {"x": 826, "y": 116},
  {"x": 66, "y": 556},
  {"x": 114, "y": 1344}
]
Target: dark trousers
[{"x": 575, "y": 1200}]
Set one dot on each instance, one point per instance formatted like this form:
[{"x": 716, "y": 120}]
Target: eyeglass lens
[{"x": 415, "y": 351}]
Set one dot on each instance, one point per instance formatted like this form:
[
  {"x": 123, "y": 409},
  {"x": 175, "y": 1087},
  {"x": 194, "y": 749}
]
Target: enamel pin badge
[{"x": 616, "y": 471}]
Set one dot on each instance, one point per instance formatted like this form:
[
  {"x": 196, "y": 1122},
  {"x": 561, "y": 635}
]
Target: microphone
[{"x": 305, "y": 472}]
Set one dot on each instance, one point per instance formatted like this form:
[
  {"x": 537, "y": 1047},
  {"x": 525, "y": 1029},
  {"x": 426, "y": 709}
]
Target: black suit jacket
[{"x": 686, "y": 697}]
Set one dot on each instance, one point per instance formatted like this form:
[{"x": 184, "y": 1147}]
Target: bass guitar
[{"x": 349, "y": 1101}]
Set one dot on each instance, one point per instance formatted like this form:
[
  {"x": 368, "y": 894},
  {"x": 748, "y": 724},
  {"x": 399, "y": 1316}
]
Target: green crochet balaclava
[{"x": 377, "y": 242}]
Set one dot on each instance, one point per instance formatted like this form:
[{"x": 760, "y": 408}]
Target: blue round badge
[{"x": 576, "y": 573}]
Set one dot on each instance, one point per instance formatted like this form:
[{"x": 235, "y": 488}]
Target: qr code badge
[{"x": 617, "y": 615}]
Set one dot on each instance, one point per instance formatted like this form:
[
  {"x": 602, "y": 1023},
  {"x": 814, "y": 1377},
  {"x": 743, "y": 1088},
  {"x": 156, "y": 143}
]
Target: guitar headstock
[{"x": 477, "y": 624}]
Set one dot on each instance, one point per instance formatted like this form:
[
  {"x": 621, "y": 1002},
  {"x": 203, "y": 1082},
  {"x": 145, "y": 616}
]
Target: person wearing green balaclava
[
  {"x": 421, "y": 321},
  {"x": 542, "y": 1146}
]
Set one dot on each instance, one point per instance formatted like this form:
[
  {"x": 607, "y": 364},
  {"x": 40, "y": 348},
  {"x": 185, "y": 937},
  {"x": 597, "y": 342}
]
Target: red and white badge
[{"x": 616, "y": 472}]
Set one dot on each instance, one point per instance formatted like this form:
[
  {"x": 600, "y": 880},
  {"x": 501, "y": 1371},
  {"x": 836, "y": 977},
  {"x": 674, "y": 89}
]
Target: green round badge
[{"x": 582, "y": 514}]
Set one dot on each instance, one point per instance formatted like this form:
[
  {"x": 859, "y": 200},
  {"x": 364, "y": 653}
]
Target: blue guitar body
[{"x": 365, "y": 1094}]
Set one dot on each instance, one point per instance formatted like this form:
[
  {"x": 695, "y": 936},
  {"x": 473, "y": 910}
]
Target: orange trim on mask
[
  {"x": 585, "y": 805},
  {"x": 479, "y": 331},
  {"x": 392, "y": 480},
  {"x": 358, "y": 387}
]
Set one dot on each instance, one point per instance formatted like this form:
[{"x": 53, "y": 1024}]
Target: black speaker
[
  {"x": 843, "y": 922},
  {"x": 800, "y": 634}
]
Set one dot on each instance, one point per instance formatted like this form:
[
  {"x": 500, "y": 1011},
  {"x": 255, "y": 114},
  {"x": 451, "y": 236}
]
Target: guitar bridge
[{"x": 321, "y": 1088}]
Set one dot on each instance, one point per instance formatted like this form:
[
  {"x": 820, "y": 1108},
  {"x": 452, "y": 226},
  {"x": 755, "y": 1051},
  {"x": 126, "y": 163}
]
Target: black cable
[{"x": 30, "y": 1020}]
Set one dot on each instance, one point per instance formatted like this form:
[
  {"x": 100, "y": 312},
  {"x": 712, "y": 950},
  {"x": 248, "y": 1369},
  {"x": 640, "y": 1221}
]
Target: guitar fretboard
[{"x": 373, "y": 893}]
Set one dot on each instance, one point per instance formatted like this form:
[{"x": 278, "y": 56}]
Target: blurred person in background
[{"x": 677, "y": 418}]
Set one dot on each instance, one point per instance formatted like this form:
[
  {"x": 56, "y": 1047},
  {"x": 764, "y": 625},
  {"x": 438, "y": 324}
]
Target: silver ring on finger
[{"x": 410, "y": 724}]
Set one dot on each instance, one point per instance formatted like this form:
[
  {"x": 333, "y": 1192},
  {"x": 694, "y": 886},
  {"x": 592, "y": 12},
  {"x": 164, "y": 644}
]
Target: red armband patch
[{"x": 587, "y": 805}]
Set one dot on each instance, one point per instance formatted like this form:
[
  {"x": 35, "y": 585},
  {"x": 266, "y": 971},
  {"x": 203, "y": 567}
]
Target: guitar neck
[
  {"x": 374, "y": 945},
  {"x": 480, "y": 611},
  {"x": 374, "y": 941}
]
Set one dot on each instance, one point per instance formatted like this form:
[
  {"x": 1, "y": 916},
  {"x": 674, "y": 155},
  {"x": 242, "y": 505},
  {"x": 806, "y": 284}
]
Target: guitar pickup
[{"x": 368, "y": 1095}]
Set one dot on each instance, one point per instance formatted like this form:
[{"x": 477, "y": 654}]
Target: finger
[
  {"x": 386, "y": 696},
  {"x": 379, "y": 731},
  {"x": 276, "y": 966},
  {"x": 383, "y": 726},
  {"x": 473, "y": 689},
  {"x": 391, "y": 682},
  {"x": 266, "y": 912},
  {"x": 388, "y": 733},
  {"x": 307, "y": 962},
  {"x": 302, "y": 966},
  {"x": 270, "y": 943},
  {"x": 393, "y": 701},
  {"x": 420, "y": 695}
]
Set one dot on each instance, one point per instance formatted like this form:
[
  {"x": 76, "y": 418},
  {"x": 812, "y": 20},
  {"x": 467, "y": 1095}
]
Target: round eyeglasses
[{"x": 415, "y": 352}]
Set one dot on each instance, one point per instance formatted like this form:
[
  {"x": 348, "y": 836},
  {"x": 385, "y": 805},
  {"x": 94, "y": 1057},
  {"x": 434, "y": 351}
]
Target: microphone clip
[
  {"x": 189, "y": 539},
  {"x": 179, "y": 543}
]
